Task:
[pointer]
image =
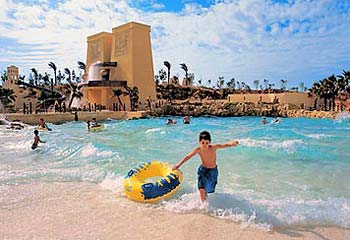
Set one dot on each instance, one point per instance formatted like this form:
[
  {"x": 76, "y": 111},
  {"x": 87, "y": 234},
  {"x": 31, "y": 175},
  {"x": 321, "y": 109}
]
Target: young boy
[
  {"x": 36, "y": 140},
  {"x": 94, "y": 123},
  {"x": 207, "y": 171}
]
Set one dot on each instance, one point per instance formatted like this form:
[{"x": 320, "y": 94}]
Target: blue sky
[{"x": 300, "y": 41}]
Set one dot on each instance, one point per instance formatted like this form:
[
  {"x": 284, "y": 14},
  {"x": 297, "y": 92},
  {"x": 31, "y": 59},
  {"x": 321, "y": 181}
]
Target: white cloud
[
  {"x": 245, "y": 39},
  {"x": 158, "y": 6}
]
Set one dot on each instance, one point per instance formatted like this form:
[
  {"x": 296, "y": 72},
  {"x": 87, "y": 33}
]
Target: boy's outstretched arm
[
  {"x": 232, "y": 143},
  {"x": 185, "y": 159}
]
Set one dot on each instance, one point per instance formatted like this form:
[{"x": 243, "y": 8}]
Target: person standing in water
[
  {"x": 36, "y": 140},
  {"x": 207, "y": 171}
]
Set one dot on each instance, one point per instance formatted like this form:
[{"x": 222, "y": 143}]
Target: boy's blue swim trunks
[{"x": 207, "y": 178}]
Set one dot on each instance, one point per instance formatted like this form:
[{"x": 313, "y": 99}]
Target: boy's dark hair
[
  {"x": 36, "y": 132},
  {"x": 93, "y": 118},
  {"x": 205, "y": 135},
  {"x": 41, "y": 119}
]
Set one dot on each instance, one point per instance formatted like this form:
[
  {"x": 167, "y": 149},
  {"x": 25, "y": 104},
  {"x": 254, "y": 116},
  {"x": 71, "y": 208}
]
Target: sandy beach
[{"x": 87, "y": 211}]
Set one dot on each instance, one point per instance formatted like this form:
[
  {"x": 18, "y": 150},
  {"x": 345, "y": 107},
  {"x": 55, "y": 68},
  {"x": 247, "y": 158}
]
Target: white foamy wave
[
  {"x": 222, "y": 206},
  {"x": 155, "y": 130},
  {"x": 90, "y": 150},
  {"x": 152, "y": 130},
  {"x": 188, "y": 202},
  {"x": 332, "y": 211},
  {"x": 317, "y": 136},
  {"x": 19, "y": 145},
  {"x": 342, "y": 117},
  {"x": 289, "y": 146},
  {"x": 113, "y": 183},
  {"x": 263, "y": 214},
  {"x": 245, "y": 220}
]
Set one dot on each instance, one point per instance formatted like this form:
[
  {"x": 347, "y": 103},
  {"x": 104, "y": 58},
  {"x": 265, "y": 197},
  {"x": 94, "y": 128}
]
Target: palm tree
[
  {"x": 232, "y": 83},
  {"x": 266, "y": 82},
  {"x": 161, "y": 76},
  {"x": 60, "y": 77},
  {"x": 134, "y": 96},
  {"x": 220, "y": 82},
  {"x": 238, "y": 85},
  {"x": 243, "y": 85},
  {"x": 283, "y": 84},
  {"x": 333, "y": 90},
  {"x": 7, "y": 96},
  {"x": 84, "y": 76},
  {"x": 168, "y": 66},
  {"x": 75, "y": 91},
  {"x": 326, "y": 91},
  {"x": 4, "y": 76},
  {"x": 343, "y": 82},
  {"x": 256, "y": 84},
  {"x": 118, "y": 93},
  {"x": 209, "y": 82},
  {"x": 54, "y": 68},
  {"x": 74, "y": 77},
  {"x": 316, "y": 89},
  {"x": 67, "y": 71},
  {"x": 82, "y": 66},
  {"x": 185, "y": 68},
  {"x": 46, "y": 79},
  {"x": 36, "y": 76}
]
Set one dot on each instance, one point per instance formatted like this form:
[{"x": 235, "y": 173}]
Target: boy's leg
[{"x": 203, "y": 194}]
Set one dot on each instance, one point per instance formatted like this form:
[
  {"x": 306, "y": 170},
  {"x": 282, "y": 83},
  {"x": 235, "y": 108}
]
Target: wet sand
[{"x": 87, "y": 211}]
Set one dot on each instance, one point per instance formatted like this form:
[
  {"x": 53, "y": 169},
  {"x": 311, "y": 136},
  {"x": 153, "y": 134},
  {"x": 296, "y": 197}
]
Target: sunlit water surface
[{"x": 295, "y": 173}]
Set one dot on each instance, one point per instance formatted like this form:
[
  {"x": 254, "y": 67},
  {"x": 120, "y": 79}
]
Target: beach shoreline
[
  {"x": 59, "y": 118},
  {"x": 61, "y": 210}
]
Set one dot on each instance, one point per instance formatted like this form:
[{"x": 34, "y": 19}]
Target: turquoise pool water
[{"x": 295, "y": 173}]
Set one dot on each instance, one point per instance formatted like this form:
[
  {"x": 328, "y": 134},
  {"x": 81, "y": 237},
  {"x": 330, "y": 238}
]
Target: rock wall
[{"x": 227, "y": 109}]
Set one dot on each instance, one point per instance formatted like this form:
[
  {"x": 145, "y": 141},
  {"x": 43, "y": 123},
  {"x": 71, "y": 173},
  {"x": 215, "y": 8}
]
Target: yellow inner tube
[
  {"x": 138, "y": 189},
  {"x": 97, "y": 128}
]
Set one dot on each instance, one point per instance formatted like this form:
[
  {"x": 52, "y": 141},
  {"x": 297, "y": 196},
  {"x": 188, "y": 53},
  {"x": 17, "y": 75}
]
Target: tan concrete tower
[
  {"x": 23, "y": 94},
  {"x": 131, "y": 48},
  {"x": 99, "y": 48},
  {"x": 12, "y": 76},
  {"x": 124, "y": 58}
]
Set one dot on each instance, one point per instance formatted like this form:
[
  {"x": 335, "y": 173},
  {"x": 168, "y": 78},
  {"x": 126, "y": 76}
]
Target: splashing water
[
  {"x": 93, "y": 71},
  {"x": 343, "y": 116}
]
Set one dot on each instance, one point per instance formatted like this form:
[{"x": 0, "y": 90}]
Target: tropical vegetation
[
  {"x": 331, "y": 88},
  {"x": 7, "y": 97}
]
